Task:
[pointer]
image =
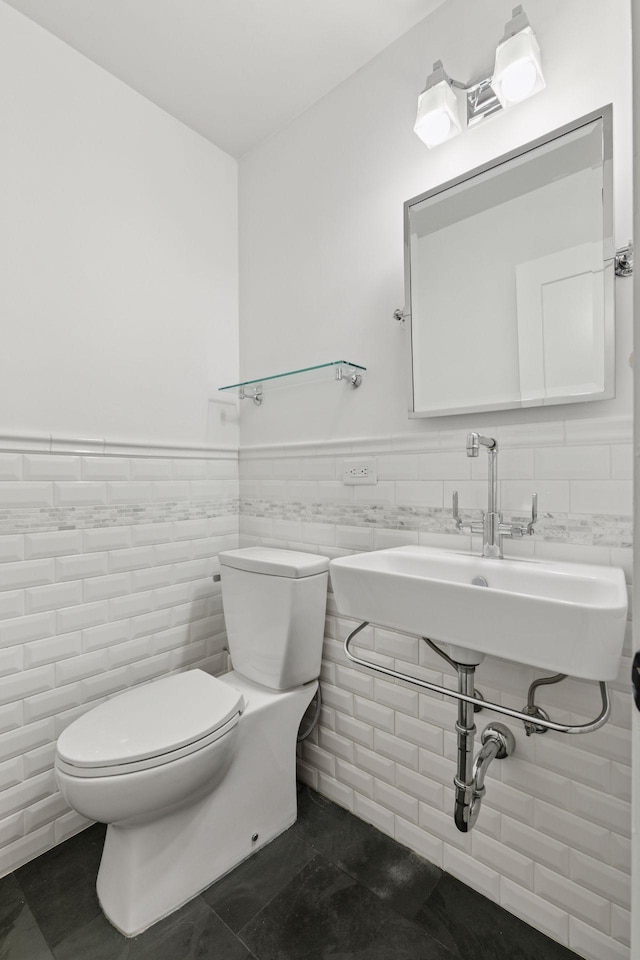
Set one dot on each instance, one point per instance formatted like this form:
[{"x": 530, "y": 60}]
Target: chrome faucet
[{"x": 492, "y": 527}]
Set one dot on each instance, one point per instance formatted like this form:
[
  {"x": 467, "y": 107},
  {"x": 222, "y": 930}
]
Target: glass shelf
[{"x": 351, "y": 373}]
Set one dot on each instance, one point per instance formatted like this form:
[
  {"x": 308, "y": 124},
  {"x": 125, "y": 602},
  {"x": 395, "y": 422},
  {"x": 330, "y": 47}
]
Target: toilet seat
[
  {"x": 150, "y": 726},
  {"x": 121, "y": 769}
]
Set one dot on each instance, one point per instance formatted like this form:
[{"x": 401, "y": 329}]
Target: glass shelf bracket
[{"x": 346, "y": 371}]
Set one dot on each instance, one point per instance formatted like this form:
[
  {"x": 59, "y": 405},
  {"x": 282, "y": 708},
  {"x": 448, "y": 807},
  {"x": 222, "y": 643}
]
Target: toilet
[{"x": 194, "y": 773}]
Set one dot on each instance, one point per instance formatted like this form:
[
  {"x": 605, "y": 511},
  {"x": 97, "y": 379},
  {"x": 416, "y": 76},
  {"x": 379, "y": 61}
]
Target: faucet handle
[
  {"x": 468, "y": 526},
  {"x": 522, "y": 529},
  {"x": 534, "y": 514},
  {"x": 456, "y": 512}
]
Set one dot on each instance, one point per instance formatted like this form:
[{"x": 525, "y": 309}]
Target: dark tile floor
[{"x": 330, "y": 888}]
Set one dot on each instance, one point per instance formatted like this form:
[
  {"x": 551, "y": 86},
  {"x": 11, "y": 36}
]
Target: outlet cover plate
[{"x": 360, "y": 472}]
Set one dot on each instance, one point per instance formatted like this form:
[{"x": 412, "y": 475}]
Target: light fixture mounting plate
[{"x": 482, "y": 101}]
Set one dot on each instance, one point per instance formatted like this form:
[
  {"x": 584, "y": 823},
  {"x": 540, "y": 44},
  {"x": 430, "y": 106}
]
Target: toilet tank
[{"x": 274, "y": 607}]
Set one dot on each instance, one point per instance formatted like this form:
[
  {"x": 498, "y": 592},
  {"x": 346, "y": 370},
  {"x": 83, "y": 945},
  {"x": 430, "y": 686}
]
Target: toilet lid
[{"x": 150, "y": 720}]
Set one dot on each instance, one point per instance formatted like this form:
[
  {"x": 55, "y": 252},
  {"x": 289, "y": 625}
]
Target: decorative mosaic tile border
[
  {"x": 587, "y": 530},
  {"x": 46, "y": 519}
]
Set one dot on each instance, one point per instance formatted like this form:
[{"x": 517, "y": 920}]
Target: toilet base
[{"x": 150, "y": 869}]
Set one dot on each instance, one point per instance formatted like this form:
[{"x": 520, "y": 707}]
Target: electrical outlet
[{"x": 359, "y": 471}]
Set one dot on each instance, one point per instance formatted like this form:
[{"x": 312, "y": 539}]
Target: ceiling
[{"x": 234, "y": 70}]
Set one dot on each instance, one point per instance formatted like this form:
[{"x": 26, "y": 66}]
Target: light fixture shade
[
  {"x": 518, "y": 69},
  {"x": 437, "y": 119}
]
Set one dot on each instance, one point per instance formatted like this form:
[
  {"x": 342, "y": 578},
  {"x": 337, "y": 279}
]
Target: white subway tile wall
[
  {"x": 105, "y": 583},
  {"x": 552, "y": 841},
  {"x": 105, "y": 566}
]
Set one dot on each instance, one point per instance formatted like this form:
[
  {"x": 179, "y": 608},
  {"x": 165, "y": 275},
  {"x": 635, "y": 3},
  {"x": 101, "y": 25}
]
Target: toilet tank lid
[
  {"x": 275, "y": 563},
  {"x": 150, "y": 720}
]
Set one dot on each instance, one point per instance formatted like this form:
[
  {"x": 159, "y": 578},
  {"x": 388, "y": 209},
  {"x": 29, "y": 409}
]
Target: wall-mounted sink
[{"x": 562, "y": 617}]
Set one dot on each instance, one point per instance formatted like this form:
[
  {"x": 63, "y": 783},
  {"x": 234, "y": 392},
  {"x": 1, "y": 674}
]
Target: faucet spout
[
  {"x": 491, "y": 537},
  {"x": 475, "y": 439}
]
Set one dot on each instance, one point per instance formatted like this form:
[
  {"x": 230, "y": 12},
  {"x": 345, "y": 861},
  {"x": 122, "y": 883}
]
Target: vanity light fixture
[
  {"x": 438, "y": 118},
  {"x": 517, "y": 75},
  {"x": 518, "y": 71}
]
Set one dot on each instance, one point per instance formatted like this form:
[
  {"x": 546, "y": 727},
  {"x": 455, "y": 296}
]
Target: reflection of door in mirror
[
  {"x": 510, "y": 279},
  {"x": 560, "y": 314}
]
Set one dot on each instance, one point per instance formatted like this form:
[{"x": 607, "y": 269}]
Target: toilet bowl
[{"x": 194, "y": 773}]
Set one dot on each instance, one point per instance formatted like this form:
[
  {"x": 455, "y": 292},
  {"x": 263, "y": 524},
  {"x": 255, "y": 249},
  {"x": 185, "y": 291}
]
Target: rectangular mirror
[{"x": 509, "y": 278}]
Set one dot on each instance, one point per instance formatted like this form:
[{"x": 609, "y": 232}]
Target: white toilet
[{"x": 194, "y": 773}]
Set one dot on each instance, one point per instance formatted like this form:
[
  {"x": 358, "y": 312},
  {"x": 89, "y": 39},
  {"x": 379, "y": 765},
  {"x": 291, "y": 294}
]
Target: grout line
[{"x": 275, "y": 896}]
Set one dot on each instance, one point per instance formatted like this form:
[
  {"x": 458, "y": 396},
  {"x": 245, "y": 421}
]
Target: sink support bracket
[
  {"x": 524, "y": 717},
  {"x": 537, "y": 713}
]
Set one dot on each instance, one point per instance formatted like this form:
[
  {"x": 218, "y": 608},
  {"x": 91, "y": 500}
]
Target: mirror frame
[{"x": 606, "y": 115}]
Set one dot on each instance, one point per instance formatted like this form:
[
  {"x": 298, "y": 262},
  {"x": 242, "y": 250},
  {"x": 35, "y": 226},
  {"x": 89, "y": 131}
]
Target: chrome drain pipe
[
  {"x": 465, "y": 729},
  {"x": 498, "y": 742}
]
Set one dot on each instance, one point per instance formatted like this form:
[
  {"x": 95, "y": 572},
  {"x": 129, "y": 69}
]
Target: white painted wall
[
  {"x": 635, "y": 859},
  {"x": 118, "y": 320},
  {"x": 118, "y": 300},
  {"x": 321, "y": 247}
]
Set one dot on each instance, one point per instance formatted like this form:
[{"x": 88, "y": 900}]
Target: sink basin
[{"x": 562, "y": 617}]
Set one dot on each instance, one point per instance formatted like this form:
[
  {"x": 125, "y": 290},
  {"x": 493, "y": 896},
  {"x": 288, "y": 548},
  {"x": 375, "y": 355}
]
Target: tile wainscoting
[
  {"x": 107, "y": 551},
  {"x": 106, "y": 555},
  {"x": 552, "y": 843}
]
